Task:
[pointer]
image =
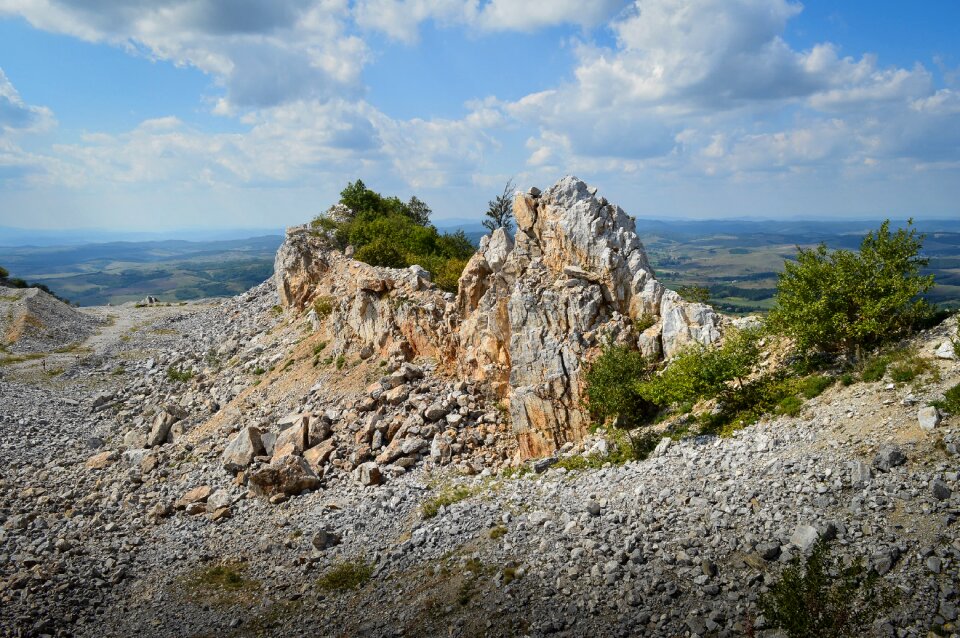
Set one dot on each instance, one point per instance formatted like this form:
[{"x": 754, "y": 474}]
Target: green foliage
[
  {"x": 446, "y": 498},
  {"x": 323, "y": 306},
  {"x": 500, "y": 210},
  {"x": 842, "y": 301},
  {"x": 341, "y": 361},
  {"x": 814, "y": 385},
  {"x": 951, "y": 400},
  {"x": 611, "y": 386},
  {"x": 846, "y": 379},
  {"x": 347, "y": 576},
  {"x": 625, "y": 447},
  {"x": 875, "y": 368},
  {"x": 774, "y": 393},
  {"x": 698, "y": 373},
  {"x": 498, "y": 532},
  {"x": 825, "y": 599},
  {"x": 644, "y": 321},
  {"x": 4, "y": 272},
  {"x": 317, "y": 349},
  {"x": 790, "y": 405},
  {"x": 384, "y": 231},
  {"x": 909, "y": 369},
  {"x": 258, "y": 371},
  {"x": 178, "y": 375},
  {"x": 696, "y": 294}
]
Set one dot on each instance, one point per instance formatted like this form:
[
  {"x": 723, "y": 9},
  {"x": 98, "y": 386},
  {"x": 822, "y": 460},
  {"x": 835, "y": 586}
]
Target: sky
[{"x": 163, "y": 114}]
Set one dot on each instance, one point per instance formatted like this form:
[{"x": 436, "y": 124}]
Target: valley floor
[{"x": 95, "y": 543}]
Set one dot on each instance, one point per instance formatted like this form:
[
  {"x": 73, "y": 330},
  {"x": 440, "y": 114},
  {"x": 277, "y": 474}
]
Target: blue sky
[{"x": 160, "y": 114}]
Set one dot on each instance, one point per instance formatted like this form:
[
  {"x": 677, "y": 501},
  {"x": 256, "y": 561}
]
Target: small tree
[
  {"x": 418, "y": 211},
  {"x": 824, "y": 599},
  {"x": 842, "y": 301},
  {"x": 611, "y": 386},
  {"x": 500, "y": 210}
]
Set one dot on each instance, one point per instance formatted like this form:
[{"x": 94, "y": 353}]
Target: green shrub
[
  {"x": 178, "y": 375},
  {"x": 258, "y": 371},
  {"x": 814, "y": 385},
  {"x": 875, "y": 368},
  {"x": 789, "y": 406},
  {"x": 317, "y": 349},
  {"x": 846, "y": 378},
  {"x": 498, "y": 532},
  {"x": 842, "y": 301},
  {"x": 825, "y": 599},
  {"x": 908, "y": 369},
  {"x": 611, "y": 386},
  {"x": 4, "y": 273},
  {"x": 387, "y": 232},
  {"x": 341, "y": 361},
  {"x": 348, "y": 576},
  {"x": 323, "y": 306}
]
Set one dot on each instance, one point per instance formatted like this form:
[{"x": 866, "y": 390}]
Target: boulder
[
  {"x": 946, "y": 351},
  {"x": 287, "y": 476},
  {"x": 804, "y": 536},
  {"x": 928, "y": 417},
  {"x": 101, "y": 460},
  {"x": 196, "y": 495},
  {"x": 160, "y": 429},
  {"x": 294, "y": 440},
  {"x": 318, "y": 455},
  {"x": 889, "y": 456},
  {"x": 369, "y": 473},
  {"x": 242, "y": 449}
]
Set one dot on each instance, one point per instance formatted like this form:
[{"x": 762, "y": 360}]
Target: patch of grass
[
  {"x": 347, "y": 576},
  {"x": 517, "y": 472},
  {"x": 20, "y": 358},
  {"x": 288, "y": 364},
  {"x": 446, "y": 498},
  {"x": 909, "y": 369},
  {"x": 73, "y": 347},
  {"x": 644, "y": 321},
  {"x": 258, "y": 371},
  {"x": 116, "y": 372},
  {"x": 317, "y": 349},
  {"x": 341, "y": 361},
  {"x": 875, "y": 368},
  {"x": 323, "y": 306},
  {"x": 178, "y": 375},
  {"x": 624, "y": 447},
  {"x": 164, "y": 331},
  {"x": 790, "y": 406},
  {"x": 56, "y": 372},
  {"x": 951, "y": 400},
  {"x": 223, "y": 583},
  {"x": 498, "y": 532},
  {"x": 277, "y": 310},
  {"x": 846, "y": 379}
]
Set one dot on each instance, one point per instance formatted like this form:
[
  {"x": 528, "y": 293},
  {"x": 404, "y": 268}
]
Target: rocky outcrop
[
  {"x": 536, "y": 308},
  {"x": 530, "y": 310}
]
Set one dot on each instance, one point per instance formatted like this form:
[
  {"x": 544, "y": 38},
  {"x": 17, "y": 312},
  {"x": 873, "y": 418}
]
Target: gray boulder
[{"x": 242, "y": 449}]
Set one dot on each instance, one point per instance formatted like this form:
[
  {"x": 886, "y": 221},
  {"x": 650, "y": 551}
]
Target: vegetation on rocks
[
  {"x": 823, "y": 598},
  {"x": 385, "y": 231},
  {"x": 347, "y": 576}
]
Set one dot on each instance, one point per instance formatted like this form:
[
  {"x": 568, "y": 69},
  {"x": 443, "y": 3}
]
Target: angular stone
[
  {"x": 860, "y": 473},
  {"x": 241, "y": 451},
  {"x": 804, "y": 536},
  {"x": 889, "y": 456},
  {"x": 928, "y": 418},
  {"x": 292, "y": 441},
  {"x": 940, "y": 490},
  {"x": 324, "y": 540},
  {"x": 318, "y": 455},
  {"x": 946, "y": 351},
  {"x": 101, "y": 460},
  {"x": 288, "y": 476},
  {"x": 160, "y": 428},
  {"x": 196, "y": 495},
  {"x": 369, "y": 473}
]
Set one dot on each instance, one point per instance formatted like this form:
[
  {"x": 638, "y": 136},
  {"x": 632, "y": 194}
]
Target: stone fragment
[
  {"x": 289, "y": 475},
  {"x": 318, "y": 455},
  {"x": 292, "y": 441},
  {"x": 928, "y": 417},
  {"x": 324, "y": 540},
  {"x": 940, "y": 490},
  {"x": 135, "y": 438},
  {"x": 946, "y": 351},
  {"x": 160, "y": 429},
  {"x": 196, "y": 495},
  {"x": 368, "y": 473},
  {"x": 860, "y": 473},
  {"x": 101, "y": 460},
  {"x": 804, "y": 536},
  {"x": 889, "y": 456},
  {"x": 241, "y": 451}
]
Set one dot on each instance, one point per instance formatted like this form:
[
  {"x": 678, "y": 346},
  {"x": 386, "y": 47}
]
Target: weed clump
[
  {"x": 446, "y": 498},
  {"x": 178, "y": 375},
  {"x": 348, "y": 576}
]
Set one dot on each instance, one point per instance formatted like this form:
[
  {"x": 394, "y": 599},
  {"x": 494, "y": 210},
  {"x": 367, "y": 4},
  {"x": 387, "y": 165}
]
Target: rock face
[
  {"x": 530, "y": 311},
  {"x": 535, "y": 308}
]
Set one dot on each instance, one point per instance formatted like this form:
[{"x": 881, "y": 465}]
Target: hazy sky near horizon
[{"x": 157, "y": 114}]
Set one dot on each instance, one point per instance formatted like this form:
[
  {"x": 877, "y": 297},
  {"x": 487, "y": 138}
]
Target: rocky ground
[{"x": 109, "y": 528}]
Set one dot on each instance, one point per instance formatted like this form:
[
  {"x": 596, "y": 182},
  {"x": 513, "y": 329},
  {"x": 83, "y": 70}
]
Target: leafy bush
[
  {"x": 698, "y": 373},
  {"x": 875, "y": 368},
  {"x": 644, "y": 321},
  {"x": 384, "y": 231},
  {"x": 790, "y": 405},
  {"x": 824, "y": 599},
  {"x": 346, "y": 576},
  {"x": 908, "y": 369},
  {"x": 4, "y": 273},
  {"x": 842, "y": 301},
  {"x": 611, "y": 386},
  {"x": 626, "y": 447}
]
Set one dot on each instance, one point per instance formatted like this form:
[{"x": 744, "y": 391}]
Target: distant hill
[{"x": 120, "y": 271}]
